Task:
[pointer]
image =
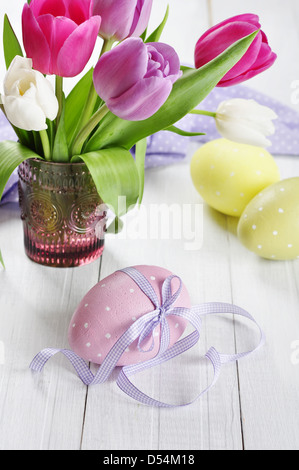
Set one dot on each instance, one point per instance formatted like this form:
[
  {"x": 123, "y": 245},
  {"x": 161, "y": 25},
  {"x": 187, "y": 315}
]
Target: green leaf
[
  {"x": 11, "y": 44},
  {"x": 12, "y": 154},
  {"x": 75, "y": 103},
  {"x": 156, "y": 35},
  {"x": 176, "y": 130},
  {"x": 186, "y": 69},
  {"x": 60, "y": 149},
  {"x": 38, "y": 147},
  {"x": 116, "y": 226},
  {"x": 186, "y": 94},
  {"x": 143, "y": 35},
  {"x": 1, "y": 260},
  {"x": 51, "y": 133},
  {"x": 25, "y": 137},
  {"x": 115, "y": 175},
  {"x": 140, "y": 152}
]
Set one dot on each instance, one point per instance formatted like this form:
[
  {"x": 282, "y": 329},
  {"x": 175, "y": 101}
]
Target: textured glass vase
[{"x": 62, "y": 212}]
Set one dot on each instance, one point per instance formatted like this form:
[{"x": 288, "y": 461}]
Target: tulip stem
[
  {"x": 46, "y": 144},
  {"x": 87, "y": 129},
  {"x": 92, "y": 95},
  {"x": 202, "y": 112},
  {"x": 107, "y": 46},
  {"x": 59, "y": 96}
]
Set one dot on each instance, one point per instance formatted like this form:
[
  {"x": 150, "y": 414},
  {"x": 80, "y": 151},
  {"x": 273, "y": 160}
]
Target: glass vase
[{"x": 62, "y": 212}]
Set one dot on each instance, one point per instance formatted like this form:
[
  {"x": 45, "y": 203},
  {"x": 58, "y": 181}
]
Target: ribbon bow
[
  {"x": 158, "y": 316},
  {"x": 141, "y": 329}
]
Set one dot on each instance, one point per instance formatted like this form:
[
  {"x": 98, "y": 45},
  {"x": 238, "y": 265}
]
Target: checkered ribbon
[{"x": 141, "y": 329}]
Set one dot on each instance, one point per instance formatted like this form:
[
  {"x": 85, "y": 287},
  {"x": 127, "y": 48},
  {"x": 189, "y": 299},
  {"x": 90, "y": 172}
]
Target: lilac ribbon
[{"x": 142, "y": 329}]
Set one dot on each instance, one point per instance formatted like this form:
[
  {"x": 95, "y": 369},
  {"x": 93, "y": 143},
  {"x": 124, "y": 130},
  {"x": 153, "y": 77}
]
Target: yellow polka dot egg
[
  {"x": 269, "y": 225},
  {"x": 228, "y": 175}
]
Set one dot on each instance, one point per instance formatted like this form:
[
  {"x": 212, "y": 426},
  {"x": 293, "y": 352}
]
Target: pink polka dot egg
[{"x": 110, "y": 308}]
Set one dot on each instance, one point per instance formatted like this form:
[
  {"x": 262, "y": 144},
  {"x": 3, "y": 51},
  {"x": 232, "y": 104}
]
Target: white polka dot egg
[
  {"x": 110, "y": 308},
  {"x": 269, "y": 225},
  {"x": 228, "y": 175}
]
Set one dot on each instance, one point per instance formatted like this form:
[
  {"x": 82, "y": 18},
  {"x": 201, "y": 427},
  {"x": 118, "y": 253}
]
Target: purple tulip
[
  {"x": 122, "y": 18},
  {"x": 258, "y": 58},
  {"x": 59, "y": 36},
  {"x": 135, "y": 79}
]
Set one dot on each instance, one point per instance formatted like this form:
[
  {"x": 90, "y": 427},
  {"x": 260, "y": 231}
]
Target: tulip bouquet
[{"x": 137, "y": 87}]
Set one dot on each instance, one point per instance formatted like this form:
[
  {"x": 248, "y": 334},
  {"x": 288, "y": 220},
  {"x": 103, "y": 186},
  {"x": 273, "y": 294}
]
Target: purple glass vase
[{"x": 62, "y": 212}]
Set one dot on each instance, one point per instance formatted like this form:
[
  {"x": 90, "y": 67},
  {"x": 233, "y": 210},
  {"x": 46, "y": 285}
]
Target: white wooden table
[{"x": 255, "y": 404}]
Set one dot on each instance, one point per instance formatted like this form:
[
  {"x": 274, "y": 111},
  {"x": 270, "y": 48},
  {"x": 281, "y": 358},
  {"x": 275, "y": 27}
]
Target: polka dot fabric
[{"x": 110, "y": 308}]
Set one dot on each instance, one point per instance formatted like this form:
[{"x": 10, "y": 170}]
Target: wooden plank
[
  {"x": 269, "y": 384},
  {"x": 43, "y": 411},
  {"x": 213, "y": 421}
]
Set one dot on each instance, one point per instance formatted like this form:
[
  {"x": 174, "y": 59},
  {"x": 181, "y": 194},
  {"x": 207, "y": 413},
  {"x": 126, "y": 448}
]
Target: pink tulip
[
  {"x": 135, "y": 79},
  {"x": 258, "y": 58},
  {"x": 59, "y": 35},
  {"x": 122, "y": 18}
]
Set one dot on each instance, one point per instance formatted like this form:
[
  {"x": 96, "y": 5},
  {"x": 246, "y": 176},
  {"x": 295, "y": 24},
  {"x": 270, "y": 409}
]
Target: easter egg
[
  {"x": 269, "y": 225},
  {"x": 228, "y": 175},
  {"x": 109, "y": 309}
]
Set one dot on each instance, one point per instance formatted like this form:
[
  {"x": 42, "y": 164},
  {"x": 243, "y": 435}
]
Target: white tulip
[
  {"x": 245, "y": 121},
  {"x": 28, "y": 97}
]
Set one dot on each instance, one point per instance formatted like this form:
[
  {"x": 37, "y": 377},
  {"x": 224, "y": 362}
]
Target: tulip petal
[
  {"x": 45, "y": 97},
  {"x": 237, "y": 108},
  {"x": 17, "y": 68},
  {"x": 265, "y": 58},
  {"x": 141, "y": 101},
  {"x": 121, "y": 68},
  {"x": 221, "y": 39},
  {"x": 29, "y": 97},
  {"x": 258, "y": 57},
  {"x": 240, "y": 132},
  {"x": 172, "y": 58},
  {"x": 246, "y": 18},
  {"x": 35, "y": 43},
  {"x": 247, "y": 60},
  {"x": 56, "y": 32},
  {"x": 82, "y": 40},
  {"x": 251, "y": 73},
  {"x": 76, "y": 10},
  {"x": 245, "y": 121},
  {"x": 117, "y": 17},
  {"x": 141, "y": 17},
  {"x": 79, "y": 10},
  {"x": 23, "y": 113},
  {"x": 53, "y": 7},
  {"x": 51, "y": 29}
]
